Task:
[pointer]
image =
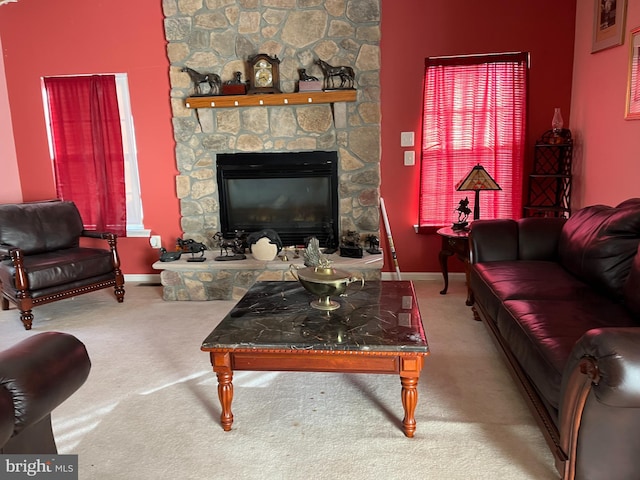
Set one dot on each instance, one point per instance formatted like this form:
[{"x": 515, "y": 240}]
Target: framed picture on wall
[
  {"x": 633, "y": 90},
  {"x": 608, "y": 24}
]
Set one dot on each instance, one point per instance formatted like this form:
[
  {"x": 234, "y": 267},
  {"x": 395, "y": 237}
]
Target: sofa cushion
[
  {"x": 523, "y": 279},
  {"x": 40, "y": 226},
  {"x": 598, "y": 243},
  {"x": 494, "y": 282},
  {"x": 542, "y": 333}
]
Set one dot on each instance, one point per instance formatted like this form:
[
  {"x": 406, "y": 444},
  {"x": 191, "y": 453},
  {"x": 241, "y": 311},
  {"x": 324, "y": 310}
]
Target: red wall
[
  {"x": 607, "y": 160},
  {"x": 76, "y": 37},
  {"x": 412, "y": 31},
  {"x": 79, "y": 37},
  {"x": 10, "y": 191}
]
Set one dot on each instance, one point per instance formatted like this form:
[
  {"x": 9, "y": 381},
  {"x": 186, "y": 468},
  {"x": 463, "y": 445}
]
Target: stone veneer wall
[{"x": 219, "y": 36}]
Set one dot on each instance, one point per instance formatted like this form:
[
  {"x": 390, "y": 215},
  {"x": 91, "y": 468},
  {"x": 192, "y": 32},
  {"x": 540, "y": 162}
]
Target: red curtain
[
  {"x": 474, "y": 112},
  {"x": 88, "y": 154}
]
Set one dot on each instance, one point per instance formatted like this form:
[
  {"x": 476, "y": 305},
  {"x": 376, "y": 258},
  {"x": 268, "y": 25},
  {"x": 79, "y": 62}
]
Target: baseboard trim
[{"x": 142, "y": 277}]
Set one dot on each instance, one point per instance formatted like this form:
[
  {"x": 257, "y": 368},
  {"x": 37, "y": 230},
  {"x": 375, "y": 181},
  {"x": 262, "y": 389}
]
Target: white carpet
[{"x": 150, "y": 410}]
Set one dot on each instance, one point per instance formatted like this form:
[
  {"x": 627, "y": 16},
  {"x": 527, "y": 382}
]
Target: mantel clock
[{"x": 264, "y": 74}]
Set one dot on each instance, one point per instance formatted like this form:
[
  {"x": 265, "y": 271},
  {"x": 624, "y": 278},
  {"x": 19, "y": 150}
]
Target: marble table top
[{"x": 382, "y": 316}]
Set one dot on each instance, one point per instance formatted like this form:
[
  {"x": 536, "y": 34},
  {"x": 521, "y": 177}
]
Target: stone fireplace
[{"x": 219, "y": 36}]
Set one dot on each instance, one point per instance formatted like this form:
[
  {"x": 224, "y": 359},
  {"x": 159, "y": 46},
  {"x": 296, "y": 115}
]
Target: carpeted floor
[{"x": 149, "y": 409}]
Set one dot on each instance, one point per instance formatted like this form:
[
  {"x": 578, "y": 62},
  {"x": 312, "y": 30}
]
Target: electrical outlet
[
  {"x": 406, "y": 139},
  {"x": 409, "y": 158},
  {"x": 155, "y": 241}
]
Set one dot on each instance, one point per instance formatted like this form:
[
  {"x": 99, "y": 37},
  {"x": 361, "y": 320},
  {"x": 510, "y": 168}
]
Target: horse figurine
[
  {"x": 463, "y": 213},
  {"x": 345, "y": 73},
  {"x": 211, "y": 79},
  {"x": 374, "y": 244},
  {"x": 235, "y": 244},
  {"x": 192, "y": 247}
]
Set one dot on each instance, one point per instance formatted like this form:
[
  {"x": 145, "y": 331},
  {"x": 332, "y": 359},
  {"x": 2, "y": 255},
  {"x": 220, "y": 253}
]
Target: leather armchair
[{"x": 41, "y": 259}]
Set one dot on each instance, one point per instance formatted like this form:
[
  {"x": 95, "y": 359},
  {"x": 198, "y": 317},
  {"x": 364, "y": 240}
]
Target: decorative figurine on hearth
[
  {"x": 331, "y": 246},
  {"x": 235, "y": 244},
  {"x": 169, "y": 256},
  {"x": 312, "y": 255},
  {"x": 463, "y": 213},
  {"x": 374, "y": 245},
  {"x": 191, "y": 246},
  {"x": 265, "y": 245},
  {"x": 350, "y": 245}
]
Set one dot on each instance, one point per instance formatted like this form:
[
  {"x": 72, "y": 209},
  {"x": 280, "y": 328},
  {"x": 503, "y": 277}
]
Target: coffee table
[{"x": 377, "y": 329}]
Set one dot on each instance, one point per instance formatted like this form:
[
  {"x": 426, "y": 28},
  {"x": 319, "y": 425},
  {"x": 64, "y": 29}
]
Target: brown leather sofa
[
  {"x": 37, "y": 375},
  {"x": 42, "y": 260},
  {"x": 561, "y": 299}
]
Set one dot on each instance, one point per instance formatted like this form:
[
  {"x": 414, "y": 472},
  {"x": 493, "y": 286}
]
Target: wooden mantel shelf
[{"x": 271, "y": 99}]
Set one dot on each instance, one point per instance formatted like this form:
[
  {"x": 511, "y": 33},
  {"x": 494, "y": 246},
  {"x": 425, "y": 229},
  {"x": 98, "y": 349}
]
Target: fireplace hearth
[{"x": 293, "y": 193}]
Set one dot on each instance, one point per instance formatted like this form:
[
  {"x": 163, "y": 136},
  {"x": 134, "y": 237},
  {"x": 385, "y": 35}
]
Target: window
[
  {"x": 474, "y": 113},
  {"x": 131, "y": 177},
  {"x": 80, "y": 153}
]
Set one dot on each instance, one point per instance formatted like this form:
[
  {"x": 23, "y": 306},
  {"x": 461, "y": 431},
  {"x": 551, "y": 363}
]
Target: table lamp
[{"x": 476, "y": 180}]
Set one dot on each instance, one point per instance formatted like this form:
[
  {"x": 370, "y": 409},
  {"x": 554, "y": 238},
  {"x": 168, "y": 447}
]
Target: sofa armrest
[
  {"x": 5, "y": 250},
  {"x": 112, "y": 239},
  {"x": 600, "y": 404},
  {"x": 16, "y": 255},
  {"x": 40, "y": 373},
  {"x": 610, "y": 358},
  {"x": 101, "y": 235}
]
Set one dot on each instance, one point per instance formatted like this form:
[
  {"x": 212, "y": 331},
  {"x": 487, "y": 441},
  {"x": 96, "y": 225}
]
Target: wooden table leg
[
  {"x": 410, "y": 368},
  {"x": 221, "y": 365},
  {"x": 467, "y": 272},
  {"x": 409, "y": 402},
  {"x": 444, "y": 258},
  {"x": 225, "y": 394}
]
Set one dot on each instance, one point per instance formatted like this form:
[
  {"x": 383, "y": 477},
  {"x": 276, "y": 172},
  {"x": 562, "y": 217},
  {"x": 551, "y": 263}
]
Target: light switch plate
[
  {"x": 406, "y": 139},
  {"x": 409, "y": 158}
]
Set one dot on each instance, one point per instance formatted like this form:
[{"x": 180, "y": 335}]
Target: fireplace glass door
[{"x": 295, "y": 194}]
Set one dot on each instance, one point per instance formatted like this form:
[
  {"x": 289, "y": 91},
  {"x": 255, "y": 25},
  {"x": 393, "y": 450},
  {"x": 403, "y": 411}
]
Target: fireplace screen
[{"x": 295, "y": 194}]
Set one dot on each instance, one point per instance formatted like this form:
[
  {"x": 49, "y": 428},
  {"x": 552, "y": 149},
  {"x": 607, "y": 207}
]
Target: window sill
[
  {"x": 426, "y": 230},
  {"x": 138, "y": 233}
]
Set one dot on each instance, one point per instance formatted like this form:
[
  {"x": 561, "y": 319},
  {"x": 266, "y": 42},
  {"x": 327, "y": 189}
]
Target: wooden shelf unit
[
  {"x": 550, "y": 181},
  {"x": 271, "y": 99}
]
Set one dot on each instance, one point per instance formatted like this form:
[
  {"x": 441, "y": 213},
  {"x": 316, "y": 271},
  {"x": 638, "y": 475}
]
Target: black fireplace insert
[{"x": 295, "y": 194}]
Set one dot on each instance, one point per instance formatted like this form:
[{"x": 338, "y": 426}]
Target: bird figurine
[{"x": 169, "y": 256}]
